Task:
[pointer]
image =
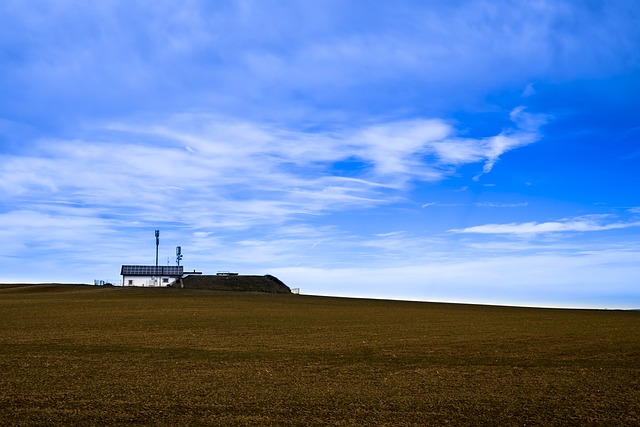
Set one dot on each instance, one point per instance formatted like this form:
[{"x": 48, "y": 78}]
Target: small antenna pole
[
  {"x": 157, "y": 244},
  {"x": 178, "y": 255}
]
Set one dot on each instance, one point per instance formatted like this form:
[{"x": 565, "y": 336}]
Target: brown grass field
[{"x": 84, "y": 355}]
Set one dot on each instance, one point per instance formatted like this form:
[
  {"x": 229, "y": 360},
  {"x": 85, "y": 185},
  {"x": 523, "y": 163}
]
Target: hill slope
[{"x": 266, "y": 283}]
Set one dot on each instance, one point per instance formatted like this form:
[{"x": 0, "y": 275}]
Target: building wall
[{"x": 147, "y": 281}]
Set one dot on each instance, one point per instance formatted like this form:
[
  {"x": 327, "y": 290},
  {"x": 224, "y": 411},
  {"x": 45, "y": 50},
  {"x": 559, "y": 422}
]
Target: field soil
[{"x": 85, "y": 355}]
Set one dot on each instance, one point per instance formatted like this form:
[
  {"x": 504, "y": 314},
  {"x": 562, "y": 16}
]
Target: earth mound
[{"x": 268, "y": 283}]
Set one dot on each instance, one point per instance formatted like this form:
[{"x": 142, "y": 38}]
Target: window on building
[
  {"x": 130, "y": 283},
  {"x": 165, "y": 280}
]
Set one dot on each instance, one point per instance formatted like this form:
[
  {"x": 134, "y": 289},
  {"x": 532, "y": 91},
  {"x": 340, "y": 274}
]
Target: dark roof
[{"x": 151, "y": 270}]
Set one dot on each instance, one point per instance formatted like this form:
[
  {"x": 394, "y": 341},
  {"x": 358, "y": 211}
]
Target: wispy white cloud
[
  {"x": 578, "y": 224},
  {"x": 439, "y": 204},
  {"x": 501, "y": 205},
  {"x": 529, "y": 90},
  {"x": 526, "y": 130},
  {"x": 478, "y": 204},
  {"x": 525, "y": 133},
  {"x": 395, "y": 148},
  {"x": 216, "y": 172},
  {"x": 210, "y": 179}
]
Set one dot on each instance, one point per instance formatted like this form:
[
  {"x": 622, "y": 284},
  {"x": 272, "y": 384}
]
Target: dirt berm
[{"x": 266, "y": 283}]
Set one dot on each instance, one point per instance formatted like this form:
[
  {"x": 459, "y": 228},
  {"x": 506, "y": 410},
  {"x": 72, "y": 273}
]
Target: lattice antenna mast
[
  {"x": 178, "y": 255},
  {"x": 157, "y": 244}
]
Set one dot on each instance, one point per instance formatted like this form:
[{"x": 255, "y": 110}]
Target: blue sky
[{"x": 465, "y": 151}]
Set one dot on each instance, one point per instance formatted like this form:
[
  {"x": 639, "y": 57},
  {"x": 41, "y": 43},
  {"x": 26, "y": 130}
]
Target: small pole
[
  {"x": 178, "y": 255},
  {"x": 157, "y": 244}
]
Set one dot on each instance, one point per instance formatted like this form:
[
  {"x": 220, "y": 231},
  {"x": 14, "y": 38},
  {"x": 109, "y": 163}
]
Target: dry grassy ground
[{"x": 98, "y": 355}]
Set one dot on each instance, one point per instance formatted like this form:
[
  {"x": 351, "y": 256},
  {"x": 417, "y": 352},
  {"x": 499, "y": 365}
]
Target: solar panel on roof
[{"x": 151, "y": 270}]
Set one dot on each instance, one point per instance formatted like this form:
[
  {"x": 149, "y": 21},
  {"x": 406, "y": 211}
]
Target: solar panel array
[{"x": 152, "y": 270}]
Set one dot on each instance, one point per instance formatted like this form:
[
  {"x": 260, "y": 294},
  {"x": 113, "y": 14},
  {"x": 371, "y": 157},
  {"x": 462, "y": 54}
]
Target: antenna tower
[
  {"x": 178, "y": 255},
  {"x": 157, "y": 244}
]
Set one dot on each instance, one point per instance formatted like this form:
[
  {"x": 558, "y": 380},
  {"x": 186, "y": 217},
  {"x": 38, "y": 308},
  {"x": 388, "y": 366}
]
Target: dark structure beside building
[{"x": 234, "y": 282}]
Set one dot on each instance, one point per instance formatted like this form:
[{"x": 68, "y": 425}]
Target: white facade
[
  {"x": 147, "y": 281},
  {"x": 150, "y": 275}
]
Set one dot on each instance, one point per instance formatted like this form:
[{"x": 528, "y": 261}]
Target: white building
[{"x": 150, "y": 275}]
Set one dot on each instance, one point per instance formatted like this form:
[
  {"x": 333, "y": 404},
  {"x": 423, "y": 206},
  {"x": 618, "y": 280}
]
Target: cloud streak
[
  {"x": 206, "y": 171},
  {"x": 478, "y": 204},
  {"x": 578, "y": 224}
]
